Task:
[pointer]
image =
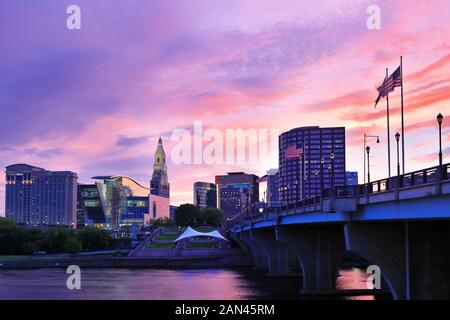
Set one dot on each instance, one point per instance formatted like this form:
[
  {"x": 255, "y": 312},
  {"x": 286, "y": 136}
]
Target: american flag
[
  {"x": 389, "y": 84},
  {"x": 293, "y": 152}
]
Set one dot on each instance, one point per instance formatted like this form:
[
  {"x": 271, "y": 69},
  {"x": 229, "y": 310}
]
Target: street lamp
[
  {"x": 439, "y": 120},
  {"x": 316, "y": 180},
  {"x": 397, "y": 138},
  {"x": 368, "y": 163},
  {"x": 321, "y": 176},
  {"x": 365, "y": 139},
  {"x": 332, "y": 169}
]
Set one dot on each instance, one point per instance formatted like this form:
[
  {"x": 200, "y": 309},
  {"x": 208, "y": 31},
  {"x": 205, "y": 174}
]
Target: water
[{"x": 152, "y": 284}]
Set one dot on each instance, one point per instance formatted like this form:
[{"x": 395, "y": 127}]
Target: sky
[{"x": 96, "y": 100}]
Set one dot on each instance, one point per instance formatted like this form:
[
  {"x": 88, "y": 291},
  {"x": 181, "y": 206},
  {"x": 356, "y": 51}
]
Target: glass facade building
[
  {"x": 135, "y": 209},
  {"x": 351, "y": 178},
  {"x": 237, "y": 192},
  {"x": 272, "y": 196},
  {"x": 113, "y": 201},
  {"x": 205, "y": 195},
  {"x": 303, "y": 177},
  {"x": 38, "y": 197}
]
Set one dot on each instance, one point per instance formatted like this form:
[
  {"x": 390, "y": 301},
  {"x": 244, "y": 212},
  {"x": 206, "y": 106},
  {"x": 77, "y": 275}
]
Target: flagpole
[
  {"x": 388, "y": 131},
  {"x": 403, "y": 122}
]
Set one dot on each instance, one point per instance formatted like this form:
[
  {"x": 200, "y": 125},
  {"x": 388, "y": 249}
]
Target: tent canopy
[{"x": 189, "y": 233}]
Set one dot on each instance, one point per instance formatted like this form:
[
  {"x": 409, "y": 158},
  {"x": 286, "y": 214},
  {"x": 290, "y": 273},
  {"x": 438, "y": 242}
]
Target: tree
[
  {"x": 55, "y": 238},
  {"x": 94, "y": 239},
  {"x": 187, "y": 215},
  {"x": 72, "y": 245},
  {"x": 161, "y": 222},
  {"x": 212, "y": 216}
]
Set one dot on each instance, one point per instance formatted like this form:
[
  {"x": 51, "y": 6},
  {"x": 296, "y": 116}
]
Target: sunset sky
[{"x": 95, "y": 100}]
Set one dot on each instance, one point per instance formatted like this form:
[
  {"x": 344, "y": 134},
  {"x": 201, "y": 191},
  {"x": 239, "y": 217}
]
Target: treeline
[
  {"x": 15, "y": 239},
  {"x": 190, "y": 215}
]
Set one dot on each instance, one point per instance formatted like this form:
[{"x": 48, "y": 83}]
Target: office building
[
  {"x": 205, "y": 195},
  {"x": 38, "y": 197},
  {"x": 302, "y": 177},
  {"x": 268, "y": 186},
  {"x": 113, "y": 201},
  {"x": 237, "y": 192},
  {"x": 351, "y": 178}
]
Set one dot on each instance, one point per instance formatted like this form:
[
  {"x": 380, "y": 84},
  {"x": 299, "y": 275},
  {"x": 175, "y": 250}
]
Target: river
[{"x": 157, "y": 284}]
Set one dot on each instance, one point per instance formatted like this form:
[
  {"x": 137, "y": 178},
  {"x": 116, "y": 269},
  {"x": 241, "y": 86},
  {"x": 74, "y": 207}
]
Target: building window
[{"x": 154, "y": 209}]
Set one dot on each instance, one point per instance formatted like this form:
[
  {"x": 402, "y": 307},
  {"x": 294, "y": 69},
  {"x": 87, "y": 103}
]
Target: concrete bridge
[{"x": 401, "y": 224}]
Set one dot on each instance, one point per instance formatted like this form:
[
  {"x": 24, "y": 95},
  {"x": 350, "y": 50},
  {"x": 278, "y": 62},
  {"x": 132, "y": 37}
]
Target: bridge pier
[
  {"x": 318, "y": 249},
  {"x": 413, "y": 256},
  {"x": 258, "y": 253},
  {"x": 277, "y": 253}
]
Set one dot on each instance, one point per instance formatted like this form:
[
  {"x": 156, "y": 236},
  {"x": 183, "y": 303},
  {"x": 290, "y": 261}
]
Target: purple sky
[{"x": 95, "y": 100}]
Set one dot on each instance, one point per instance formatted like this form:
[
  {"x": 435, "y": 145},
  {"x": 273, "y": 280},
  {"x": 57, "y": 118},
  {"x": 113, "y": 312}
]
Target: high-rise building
[
  {"x": 237, "y": 192},
  {"x": 38, "y": 197},
  {"x": 135, "y": 210},
  {"x": 89, "y": 208},
  {"x": 302, "y": 177},
  {"x": 351, "y": 178},
  {"x": 121, "y": 198},
  {"x": 160, "y": 183},
  {"x": 272, "y": 192},
  {"x": 205, "y": 195}
]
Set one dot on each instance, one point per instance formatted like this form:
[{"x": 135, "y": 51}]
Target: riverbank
[{"x": 197, "y": 260}]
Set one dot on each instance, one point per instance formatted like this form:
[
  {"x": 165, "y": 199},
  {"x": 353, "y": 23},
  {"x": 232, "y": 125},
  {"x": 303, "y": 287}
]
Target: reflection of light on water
[{"x": 351, "y": 279}]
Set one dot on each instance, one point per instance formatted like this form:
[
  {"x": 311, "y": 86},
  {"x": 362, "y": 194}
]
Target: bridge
[{"x": 401, "y": 224}]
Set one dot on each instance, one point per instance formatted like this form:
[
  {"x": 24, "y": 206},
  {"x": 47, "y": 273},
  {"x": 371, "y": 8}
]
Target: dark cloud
[{"x": 124, "y": 141}]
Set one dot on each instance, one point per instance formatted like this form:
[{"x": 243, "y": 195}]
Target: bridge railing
[
  {"x": 419, "y": 177},
  {"x": 415, "y": 178}
]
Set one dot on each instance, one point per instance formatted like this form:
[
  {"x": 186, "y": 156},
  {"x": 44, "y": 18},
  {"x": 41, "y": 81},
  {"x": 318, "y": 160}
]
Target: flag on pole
[
  {"x": 293, "y": 152},
  {"x": 389, "y": 84}
]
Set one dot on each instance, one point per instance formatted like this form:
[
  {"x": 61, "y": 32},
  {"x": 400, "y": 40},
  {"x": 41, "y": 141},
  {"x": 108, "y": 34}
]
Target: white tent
[{"x": 189, "y": 233}]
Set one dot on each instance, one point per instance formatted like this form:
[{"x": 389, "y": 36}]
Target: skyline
[{"x": 95, "y": 100}]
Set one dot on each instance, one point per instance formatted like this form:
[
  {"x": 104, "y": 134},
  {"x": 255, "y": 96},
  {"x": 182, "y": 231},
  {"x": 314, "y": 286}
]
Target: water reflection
[{"x": 152, "y": 284}]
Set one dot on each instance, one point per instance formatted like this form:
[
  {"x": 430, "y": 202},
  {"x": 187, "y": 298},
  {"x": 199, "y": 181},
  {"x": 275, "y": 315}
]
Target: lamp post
[
  {"x": 439, "y": 120},
  {"x": 316, "y": 173},
  {"x": 332, "y": 169},
  {"x": 321, "y": 176},
  {"x": 397, "y": 138},
  {"x": 329, "y": 174},
  {"x": 365, "y": 149},
  {"x": 368, "y": 164}
]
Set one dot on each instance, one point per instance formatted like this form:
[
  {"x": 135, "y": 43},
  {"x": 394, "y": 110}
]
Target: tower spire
[{"x": 160, "y": 182}]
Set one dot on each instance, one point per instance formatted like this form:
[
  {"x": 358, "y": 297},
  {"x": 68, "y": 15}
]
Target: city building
[
  {"x": 268, "y": 189},
  {"x": 159, "y": 183},
  {"x": 113, "y": 201},
  {"x": 38, "y": 197},
  {"x": 172, "y": 212},
  {"x": 205, "y": 195},
  {"x": 351, "y": 178},
  {"x": 302, "y": 177},
  {"x": 135, "y": 210},
  {"x": 89, "y": 208},
  {"x": 237, "y": 192},
  {"x": 159, "y": 207}
]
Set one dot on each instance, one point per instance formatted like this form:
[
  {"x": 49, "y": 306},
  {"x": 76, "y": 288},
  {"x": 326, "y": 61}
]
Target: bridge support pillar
[
  {"x": 413, "y": 256},
  {"x": 277, "y": 253},
  {"x": 318, "y": 250},
  {"x": 258, "y": 253}
]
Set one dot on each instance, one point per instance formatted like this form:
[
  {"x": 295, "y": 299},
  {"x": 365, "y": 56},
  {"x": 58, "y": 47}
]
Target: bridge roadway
[{"x": 401, "y": 224}]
